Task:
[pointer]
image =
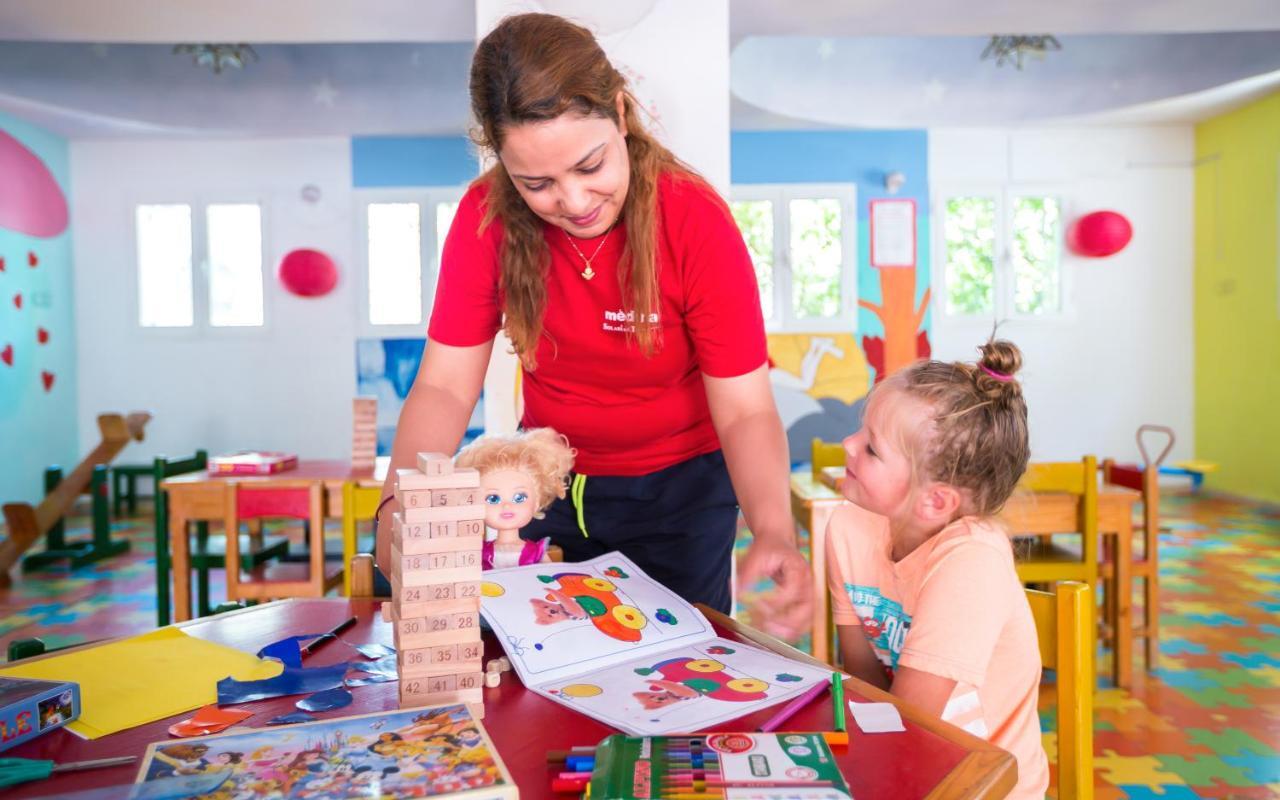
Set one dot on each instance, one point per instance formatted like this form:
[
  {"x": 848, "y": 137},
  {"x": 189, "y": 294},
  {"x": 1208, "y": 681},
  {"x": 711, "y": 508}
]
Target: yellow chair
[
  {"x": 1064, "y": 626},
  {"x": 1063, "y": 499},
  {"x": 359, "y": 503},
  {"x": 825, "y": 454}
]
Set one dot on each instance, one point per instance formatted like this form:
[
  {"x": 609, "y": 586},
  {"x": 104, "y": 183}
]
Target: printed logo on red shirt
[{"x": 620, "y": 321}]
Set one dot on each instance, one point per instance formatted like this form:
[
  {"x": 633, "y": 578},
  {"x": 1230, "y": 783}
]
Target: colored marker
[
  {"x": 794, "y": 706},
  {"x": 837, "y": 700},
  {"x": 562, "y": 786},
  {"x": 558, "y": 756}
]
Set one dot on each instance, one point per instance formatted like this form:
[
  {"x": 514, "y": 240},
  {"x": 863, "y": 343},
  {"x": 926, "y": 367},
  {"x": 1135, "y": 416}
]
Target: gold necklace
[{"x": 589, "y": 273}]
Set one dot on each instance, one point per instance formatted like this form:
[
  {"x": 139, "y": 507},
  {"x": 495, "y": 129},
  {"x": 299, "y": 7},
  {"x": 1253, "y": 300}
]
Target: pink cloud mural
[{"x": 31, "y": 202}]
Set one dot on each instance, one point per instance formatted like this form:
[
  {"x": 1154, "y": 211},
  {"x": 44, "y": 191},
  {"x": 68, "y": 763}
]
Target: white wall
[
  {"x": 1121, "y": 357},
  {"x": 287, "y": 386}
]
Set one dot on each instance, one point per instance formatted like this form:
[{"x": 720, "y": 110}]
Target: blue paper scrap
[
  {"x": 375, "y": 650},
  {"x": 291, "y": 681},
  {"x": 326, "y": 700},
  {"x": 383, "y": 666},
  {"x": 372, "y": 677},
  {"x": 287, "y": 651},
  {"x": 290, "y": 719}
]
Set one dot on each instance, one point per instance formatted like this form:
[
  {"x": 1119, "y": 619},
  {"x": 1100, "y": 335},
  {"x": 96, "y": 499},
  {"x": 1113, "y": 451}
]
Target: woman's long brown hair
[{"x": 533, "y": 68}]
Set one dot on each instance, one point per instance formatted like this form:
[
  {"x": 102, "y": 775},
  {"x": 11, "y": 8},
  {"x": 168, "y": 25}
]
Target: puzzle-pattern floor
[{"x": 1205, "y": 723}]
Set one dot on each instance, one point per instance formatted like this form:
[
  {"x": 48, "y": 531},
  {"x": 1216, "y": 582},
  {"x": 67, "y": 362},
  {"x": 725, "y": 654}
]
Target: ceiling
[{"x": 85, "y": 68}]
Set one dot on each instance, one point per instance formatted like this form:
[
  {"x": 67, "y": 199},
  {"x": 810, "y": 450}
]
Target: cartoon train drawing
[
  {"x": 686, "y": 678},
  {"x": 579, "y": 596}
]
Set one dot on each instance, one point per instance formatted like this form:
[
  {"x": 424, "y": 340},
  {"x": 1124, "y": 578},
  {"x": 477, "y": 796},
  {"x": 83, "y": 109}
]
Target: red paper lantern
[
  {"x": 1102, "y": 233},
  {"x": 308, "y": 273}
]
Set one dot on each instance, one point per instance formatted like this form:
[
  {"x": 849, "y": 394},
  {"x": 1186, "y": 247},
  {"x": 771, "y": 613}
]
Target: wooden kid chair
[
  {"x": 825, "y": 454},
  {"x": 1063, "y": 499},
  {"x": 302, "y": 501},
  {"x": 207, "y": 554},
  {"x": 1065, "y": 628},
  {"x": 1145, "y": 563},
  {"x": 359, "y": 503}
]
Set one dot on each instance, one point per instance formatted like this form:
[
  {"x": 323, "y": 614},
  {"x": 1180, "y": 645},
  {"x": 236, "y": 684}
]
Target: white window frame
[
  {"x": 427, "y": 199},
  {"x": 200, "y": 326},
  {"x": 1003, "y": 305},
  {"x": 781, "y": 194}
]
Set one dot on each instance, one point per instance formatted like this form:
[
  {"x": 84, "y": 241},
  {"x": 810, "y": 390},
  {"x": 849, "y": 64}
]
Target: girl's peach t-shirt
[{"x": 954, "y": 607}]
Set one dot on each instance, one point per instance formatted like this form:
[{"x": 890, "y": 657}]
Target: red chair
[{"x": 303, "y": 501}]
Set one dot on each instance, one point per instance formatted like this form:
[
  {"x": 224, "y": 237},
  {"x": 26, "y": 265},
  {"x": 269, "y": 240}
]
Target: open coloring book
[{"x": 605, "y": 639}]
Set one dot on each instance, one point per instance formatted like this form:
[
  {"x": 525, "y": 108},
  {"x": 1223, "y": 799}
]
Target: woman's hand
[{"x": 786, "y": 612}]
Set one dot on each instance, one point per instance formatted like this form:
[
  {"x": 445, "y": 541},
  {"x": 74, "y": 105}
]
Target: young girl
[
  {"x": 924, "y": 593},
  {"x": 520, "y": 475}
]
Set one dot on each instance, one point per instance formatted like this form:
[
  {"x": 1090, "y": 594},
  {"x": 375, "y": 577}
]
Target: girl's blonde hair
[
  {"x": 542, "y": 453},
  {"x": 977, "y": 438},
  {"x": 533, "y": 68}
]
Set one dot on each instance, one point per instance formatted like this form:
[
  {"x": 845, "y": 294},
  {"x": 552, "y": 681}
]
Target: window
[
  {"x": 404, "y": 235},
  {"x": 226, "y": 239},
  {"x": 164, "y": 266},
  {"x": 1001, "y": 254},
  {"x": 801, "y": 240}
]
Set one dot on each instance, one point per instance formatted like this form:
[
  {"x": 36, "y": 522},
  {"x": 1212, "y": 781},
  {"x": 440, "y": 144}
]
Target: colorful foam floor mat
[{"x": 1204, "y": 723}]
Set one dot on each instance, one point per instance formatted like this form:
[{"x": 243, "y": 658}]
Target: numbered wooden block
[
  {"x": 417, "y": 662},
  {"x": 431, "y": 577},
  {"x": 413, "y": 641},
  {"x": 452, "y": 544},
  {"x": 437, "y": 623},
  {"x": 434, "y": 464},
  {"x": 468, "y": 528},
  {"x": 454, "y": 497},
  {"x": 413, "y": 694},
  {"x": 443, "y": 513},
  {"x": 400, "y": 608},
  {"x": 409, "y": 480}
]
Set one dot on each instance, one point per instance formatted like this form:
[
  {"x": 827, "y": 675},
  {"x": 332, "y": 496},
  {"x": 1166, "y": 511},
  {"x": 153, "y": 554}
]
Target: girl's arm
[
  {"x": 924, "y": 690},
  {"x": 433, "y": 419},
  {"x": 755, "y": 451},
  {"x": 857, "y": 657}
]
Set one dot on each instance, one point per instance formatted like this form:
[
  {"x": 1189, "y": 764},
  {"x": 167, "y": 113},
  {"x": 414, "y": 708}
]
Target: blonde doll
[{"x": 520, "y": 475}]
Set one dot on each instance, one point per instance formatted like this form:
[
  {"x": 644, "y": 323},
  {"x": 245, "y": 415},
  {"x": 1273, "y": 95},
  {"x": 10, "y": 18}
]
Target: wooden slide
[{"x": 27, "y": 524}]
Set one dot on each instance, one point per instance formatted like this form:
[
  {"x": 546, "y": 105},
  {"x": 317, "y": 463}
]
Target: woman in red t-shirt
[{"x": 629, "y": 296}]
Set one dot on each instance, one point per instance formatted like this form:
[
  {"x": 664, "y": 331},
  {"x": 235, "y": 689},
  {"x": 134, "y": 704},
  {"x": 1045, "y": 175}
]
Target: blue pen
[{"x": 580, "y": 763}]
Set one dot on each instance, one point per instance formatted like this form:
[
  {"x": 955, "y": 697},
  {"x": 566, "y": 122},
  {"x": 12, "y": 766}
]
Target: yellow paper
[{"x": 145, "y": 678}]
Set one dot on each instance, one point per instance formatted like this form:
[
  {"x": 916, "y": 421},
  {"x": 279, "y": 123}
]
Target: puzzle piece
[
  {"x": 1252, "y": 660},
  {"x": 1159, "y": 792},
  {"x": 1201, "y": 770},
  {"x": 1184, "y": 680},
  {"x": 1230, "y": 742},
  {"x": 1174, "y": 647},
  {"x": 1136, "y": 770},
  {"x": 1217, "y": 696},
  {"x": 1216, "y": 619},
  {"x": 1260, "y": 769},
  {"x": 1233, "y": 678}
]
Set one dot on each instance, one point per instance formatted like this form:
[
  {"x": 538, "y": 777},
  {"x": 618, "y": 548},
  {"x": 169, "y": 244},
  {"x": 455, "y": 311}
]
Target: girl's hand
[{"x": 786, "y": 611}]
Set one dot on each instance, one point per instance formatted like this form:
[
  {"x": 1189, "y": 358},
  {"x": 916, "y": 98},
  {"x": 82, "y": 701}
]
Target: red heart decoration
[
  {"x": 42, "y": 335},
  {"x": 6, "y": 355},
  {"x": 31, "y": 258},
  {"x": 1, "y": 263},
  {"x": 47, "y": 377},
  {"x": 17, "y": 301}
]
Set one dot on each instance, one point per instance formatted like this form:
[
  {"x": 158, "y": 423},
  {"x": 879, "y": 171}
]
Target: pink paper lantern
[
  {"x": 1099, "y": 234},
  {"x": 308, "y": 273}
]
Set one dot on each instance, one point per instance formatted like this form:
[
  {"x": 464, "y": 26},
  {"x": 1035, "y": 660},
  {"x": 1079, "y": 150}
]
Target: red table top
[{"x": 898, "y": 765}]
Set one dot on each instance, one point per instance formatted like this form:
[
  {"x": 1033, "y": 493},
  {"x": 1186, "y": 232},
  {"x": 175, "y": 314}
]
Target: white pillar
[{"x": 675, "y": 54}]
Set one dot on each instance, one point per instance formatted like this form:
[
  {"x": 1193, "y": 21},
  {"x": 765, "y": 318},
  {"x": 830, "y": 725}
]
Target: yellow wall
[{"x": 1237, "y": 301}]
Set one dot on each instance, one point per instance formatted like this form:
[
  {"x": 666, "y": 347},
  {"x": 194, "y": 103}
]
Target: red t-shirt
[{"x": 626, "y": 414}]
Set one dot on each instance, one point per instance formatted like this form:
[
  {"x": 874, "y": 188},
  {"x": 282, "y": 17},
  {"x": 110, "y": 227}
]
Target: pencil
[
  {"x": 315, "y": 644},
  {"x": 837, "y": 699},
  {"x": 789, "y": 710}
]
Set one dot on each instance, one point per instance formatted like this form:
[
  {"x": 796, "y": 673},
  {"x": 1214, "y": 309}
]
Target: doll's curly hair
[{"x": 541, "y": 452}]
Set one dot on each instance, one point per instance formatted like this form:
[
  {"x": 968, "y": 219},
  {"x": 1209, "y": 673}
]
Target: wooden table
[
  {"x": 200, "y": 496},
  {"x": 931, "y": 759},
  {"x": 814, "y": 500}
]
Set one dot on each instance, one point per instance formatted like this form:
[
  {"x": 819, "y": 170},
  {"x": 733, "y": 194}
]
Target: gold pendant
[{"x": 588, "y": 273}]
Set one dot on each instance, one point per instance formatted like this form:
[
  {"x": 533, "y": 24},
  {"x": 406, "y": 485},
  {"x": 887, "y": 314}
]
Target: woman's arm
[
  {"x": 433, "y": 419},
  {"x": 755, "y": 450}
]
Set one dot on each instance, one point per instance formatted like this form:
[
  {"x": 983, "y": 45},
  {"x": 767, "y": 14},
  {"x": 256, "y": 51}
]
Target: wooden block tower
[
  {"x": 364, "y": 432},
  {"x": 435, "y": 584}
]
